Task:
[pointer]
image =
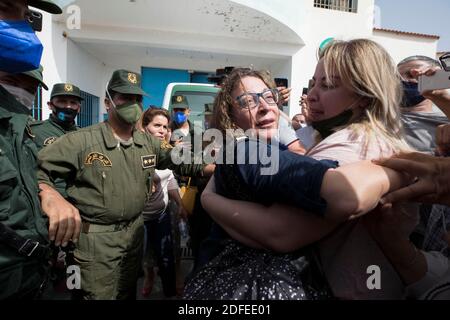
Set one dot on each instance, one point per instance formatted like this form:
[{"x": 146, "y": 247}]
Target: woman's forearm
[
  {"x": 279, "y": 228},
  {"x": 175, "y": 196},
  {"x": 353, "y": 190}
]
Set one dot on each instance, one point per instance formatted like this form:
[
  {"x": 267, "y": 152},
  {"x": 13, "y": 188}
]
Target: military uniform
[
  {"x": 200, "y": 221},
  {"x": 46, "y": 132},
  {"x": 24, "y": 249},
  {"x": 108, "y": 181},
  {"x": 19, "y": 203}
]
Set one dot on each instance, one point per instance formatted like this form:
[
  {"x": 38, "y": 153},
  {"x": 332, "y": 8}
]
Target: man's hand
[
  {"x": 285, "y": 95},
  {"x": 64, "y": 218},
  {"x": 305, "y": 108},
  {"x": 433, "y": 178}
]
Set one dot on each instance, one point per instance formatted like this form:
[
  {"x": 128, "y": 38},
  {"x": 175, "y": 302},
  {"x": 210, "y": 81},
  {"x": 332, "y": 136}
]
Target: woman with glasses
[{"x": 248, "y": 102}]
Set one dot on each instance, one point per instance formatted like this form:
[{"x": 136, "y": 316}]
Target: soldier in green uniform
[
  {"x": 65, "y": 104},
  {"x": 108, "y": 169},
  {"x": 190, "y": 135},
  {"x": 24, "y": 236},
  {"x": 23, "y": 86}
]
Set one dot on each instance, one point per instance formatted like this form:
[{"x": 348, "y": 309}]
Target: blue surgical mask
[
  {"x": 179, "y": 118},
  {"x": 412, "y": 96},
  {"x": 20, "y": 48},
  {"x": 65, "y": 114}
]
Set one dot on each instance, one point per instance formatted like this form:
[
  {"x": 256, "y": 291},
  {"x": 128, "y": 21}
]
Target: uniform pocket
[{"x": 94, "y": 189}]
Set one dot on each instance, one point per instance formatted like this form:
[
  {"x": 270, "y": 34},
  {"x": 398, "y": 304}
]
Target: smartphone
[
  {"x": 305, "y": 91},
  {"x": 35, "y": 20},
  {"x": 281, "y": 82},
  {"x": 440, "y": 80}
]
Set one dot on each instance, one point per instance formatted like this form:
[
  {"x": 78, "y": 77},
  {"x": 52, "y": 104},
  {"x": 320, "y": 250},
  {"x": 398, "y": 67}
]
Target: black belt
[{"x": 25, "y": 247}]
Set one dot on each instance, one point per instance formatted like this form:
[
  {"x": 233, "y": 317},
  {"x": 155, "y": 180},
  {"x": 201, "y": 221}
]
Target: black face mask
[
  {"x": 326, "y": 127},
  {"x": 412, "y": 96},
  {"x": 65, "y": 115}
]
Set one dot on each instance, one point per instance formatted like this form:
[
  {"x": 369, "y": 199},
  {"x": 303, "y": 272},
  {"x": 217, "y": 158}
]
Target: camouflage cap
[
  {"x": 126, "y": 82},
  {"x": 179, "y": 102},
  {"x": 37, "y": 75},
  {"x": 45, "y": 5},
  {"x": 208, "y": 109},
  {"x": 65, "y": 89}
]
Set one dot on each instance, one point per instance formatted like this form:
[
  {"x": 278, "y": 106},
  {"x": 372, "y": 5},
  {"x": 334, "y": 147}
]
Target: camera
[
  {"x": 440, "y": 80},
  {"x": 34, "y": 18}
]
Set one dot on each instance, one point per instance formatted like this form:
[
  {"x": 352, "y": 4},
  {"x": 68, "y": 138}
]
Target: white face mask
[
  {"x": 21, "y": 95},
  {"x": 303, "y": 125}
]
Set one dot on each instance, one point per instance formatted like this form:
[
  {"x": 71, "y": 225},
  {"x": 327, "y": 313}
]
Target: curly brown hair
[{"x": 223, "y": 103}]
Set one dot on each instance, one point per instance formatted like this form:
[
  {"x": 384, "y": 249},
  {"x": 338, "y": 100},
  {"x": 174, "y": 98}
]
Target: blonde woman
[{"x": 247, "y": 101}]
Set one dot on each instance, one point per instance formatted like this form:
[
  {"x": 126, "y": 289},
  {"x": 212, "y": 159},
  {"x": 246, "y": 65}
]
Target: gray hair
[{"x": 431, "y": 61}]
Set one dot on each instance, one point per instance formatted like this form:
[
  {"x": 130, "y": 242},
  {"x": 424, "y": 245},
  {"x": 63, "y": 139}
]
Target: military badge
[
  {"x": 132, "y": 78},
  {"x": 97, "y": 156},
  {"x": 179, "y": 99},
  {"x": 49, "y": 141},
  {"x": 165, "y": 145},
  {"x": 68, "y": 87},
  {"x": 148, "y": 161}
]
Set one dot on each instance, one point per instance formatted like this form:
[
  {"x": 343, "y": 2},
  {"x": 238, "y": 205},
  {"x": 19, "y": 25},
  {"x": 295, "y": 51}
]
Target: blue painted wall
[{"x": 155, "y": 81}]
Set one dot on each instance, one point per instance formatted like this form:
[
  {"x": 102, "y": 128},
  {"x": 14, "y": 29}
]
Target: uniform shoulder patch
[
  {"x": 97, "y": 156},
  {"x": 49, "y": 140},
  {"x": 148, "y": 161}
]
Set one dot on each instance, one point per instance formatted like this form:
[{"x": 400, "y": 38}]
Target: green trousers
[{"x": 110, "y": 260}]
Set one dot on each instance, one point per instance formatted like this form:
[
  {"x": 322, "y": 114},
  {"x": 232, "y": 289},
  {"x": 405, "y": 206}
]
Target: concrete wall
[{"x": 401, "y": 46}]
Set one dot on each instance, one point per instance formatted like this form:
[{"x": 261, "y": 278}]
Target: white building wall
[
  {"x": 54, "y": 58},
  {"x": 401, "y": 46},
  {"x": 90, "y": 67},
  {"x": 315, "y": 26}
]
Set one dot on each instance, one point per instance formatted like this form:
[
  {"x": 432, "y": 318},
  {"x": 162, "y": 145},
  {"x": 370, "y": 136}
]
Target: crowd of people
[{"x": 296, "y": 209}]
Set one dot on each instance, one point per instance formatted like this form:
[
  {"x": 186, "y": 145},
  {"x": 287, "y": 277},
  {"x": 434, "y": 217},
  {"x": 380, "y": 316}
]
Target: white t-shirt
[
  {"x": 306, "y": 135},
  {"x": 163, "y": 181}
]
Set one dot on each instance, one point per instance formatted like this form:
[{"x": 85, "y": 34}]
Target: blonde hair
[
  {"x": 223, "y": 117},
  {"x": 368, "y": 70}
]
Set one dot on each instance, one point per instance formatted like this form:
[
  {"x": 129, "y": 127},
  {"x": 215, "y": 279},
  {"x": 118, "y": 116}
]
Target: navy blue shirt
[{"x": 265, "y": 174}]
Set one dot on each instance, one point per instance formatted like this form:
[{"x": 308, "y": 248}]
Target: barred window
[
  {"x": 36, "y": 111},
  {"x": 340, "y": 5},
  {"x": 89, "y": 113}
]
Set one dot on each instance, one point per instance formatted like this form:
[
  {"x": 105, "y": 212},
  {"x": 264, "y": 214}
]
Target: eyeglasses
[{"x": 250, "y": 100}]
